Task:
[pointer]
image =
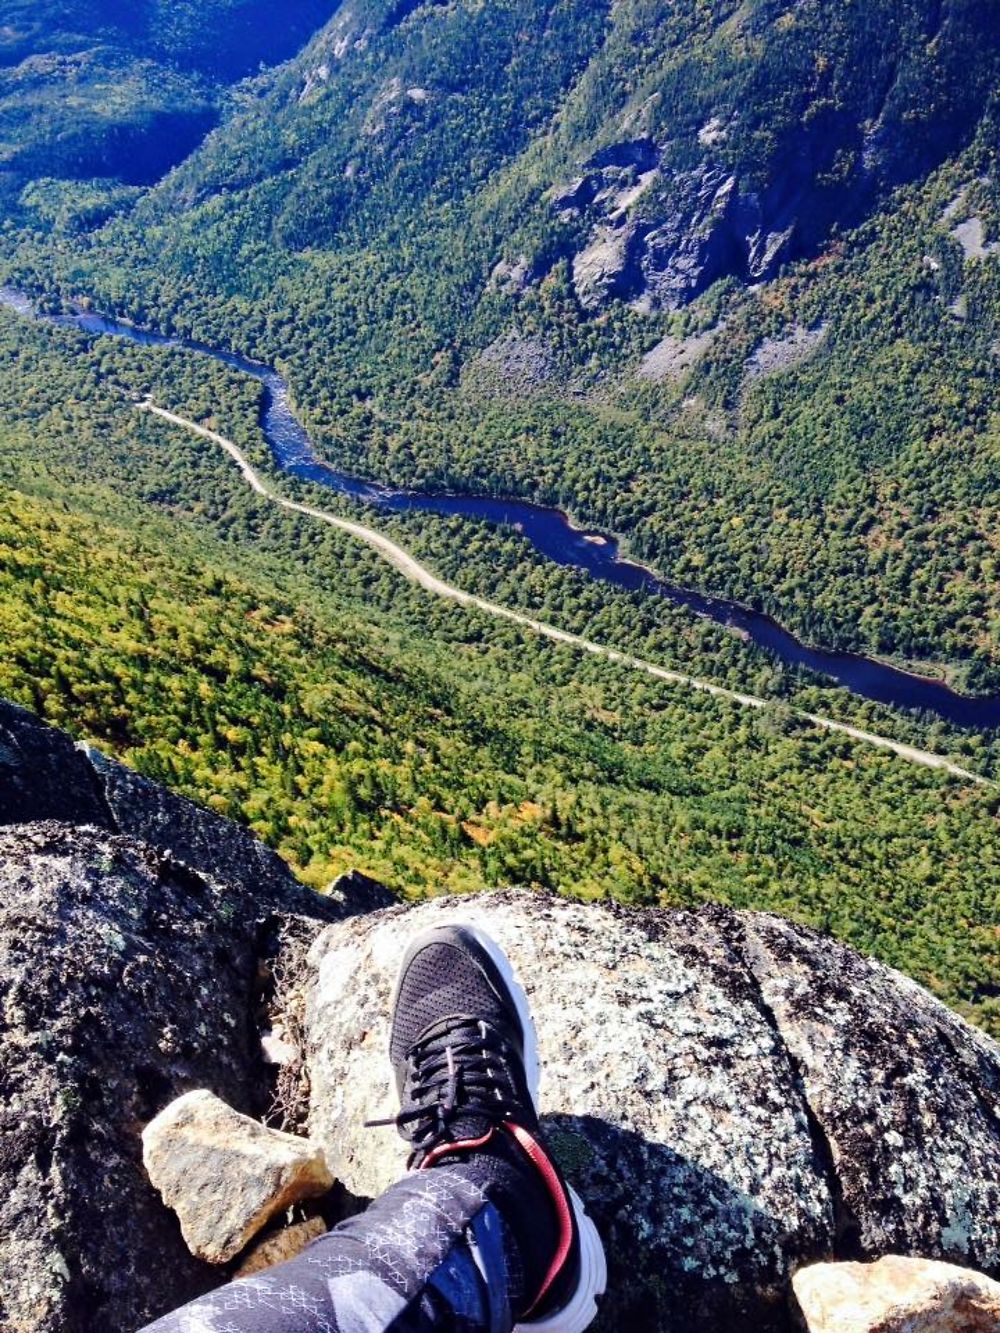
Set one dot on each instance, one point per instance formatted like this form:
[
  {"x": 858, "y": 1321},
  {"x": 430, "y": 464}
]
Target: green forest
[
  {"x": 393, "y": 218},
  {"x": 283, "y": 675},
  {"x": 354, "y": 244}
]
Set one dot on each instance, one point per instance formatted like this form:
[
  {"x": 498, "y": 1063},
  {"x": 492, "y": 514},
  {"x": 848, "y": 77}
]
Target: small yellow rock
[
  {"x": 897, "y": 1295},
  {"x": 226, "y": 1175},
  {"x": 284, "y": 1244}
]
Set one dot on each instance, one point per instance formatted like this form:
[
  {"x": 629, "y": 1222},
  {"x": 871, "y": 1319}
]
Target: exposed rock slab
[
  {"x": 897, "y": 1295},
  {"x": 125, "y": 979},
  {"x": 607, "y": 266},
  {"x": 672, "y": 357},
  {"x": 971, "y": 237},
  {"x": 225, "y": 1174},
  {"x": 203, "y": 840},
  {"x": 791, "y": 349},
  {"x": 907, "y": 1096},
  {"x": 43, "y": 775},
  {"x": 705, "y": 1121},
  {"x": 667, "y": 1094}
]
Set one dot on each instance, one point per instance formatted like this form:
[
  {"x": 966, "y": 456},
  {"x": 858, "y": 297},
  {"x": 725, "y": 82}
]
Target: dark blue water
[{"x": 551, "y": 534}]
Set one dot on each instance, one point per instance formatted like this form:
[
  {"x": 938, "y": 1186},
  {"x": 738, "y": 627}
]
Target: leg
[
  {"x": 431, "y": 1253},
  {"x": 484, "y": 1232}
]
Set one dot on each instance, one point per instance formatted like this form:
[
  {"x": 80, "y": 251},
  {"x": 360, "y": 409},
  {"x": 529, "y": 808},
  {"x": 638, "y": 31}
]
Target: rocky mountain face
[
  {"x": 131, "y": 925},
  {"x": 820, "y": 115},
  {"x": 733, "y": 1095},
  {"x": 666, "y": 145}
]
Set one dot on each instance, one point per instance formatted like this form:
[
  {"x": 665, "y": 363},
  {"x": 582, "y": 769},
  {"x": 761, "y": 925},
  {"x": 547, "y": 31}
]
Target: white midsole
[
  {"x": 532, "y": 1064},
  {"x": 580, "y": 1310}
]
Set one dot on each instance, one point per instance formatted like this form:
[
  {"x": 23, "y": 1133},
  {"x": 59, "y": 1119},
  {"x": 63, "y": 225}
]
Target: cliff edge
[{"x": 733, "y": 1095}]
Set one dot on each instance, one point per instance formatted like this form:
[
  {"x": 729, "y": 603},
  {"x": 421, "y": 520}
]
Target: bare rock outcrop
[
  {"x": 665, "y": 246},
  {"x": 123, "y": 985},
  {"x": 43, "y": 775},
  {"x": 735, "y": 1097},
  {"x": 897, "y": 1295},
  {"x": 128, "y": 975}
]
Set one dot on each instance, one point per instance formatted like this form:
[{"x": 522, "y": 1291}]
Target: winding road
[{"x": 407, "y": 565}]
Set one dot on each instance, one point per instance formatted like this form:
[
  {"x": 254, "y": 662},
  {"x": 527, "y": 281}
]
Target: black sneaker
[{"x": 465, "y": 1057}]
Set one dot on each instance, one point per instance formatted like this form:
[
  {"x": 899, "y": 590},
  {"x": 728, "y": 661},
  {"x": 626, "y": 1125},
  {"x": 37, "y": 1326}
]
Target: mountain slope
[
  {"x": 285, "y": 676},
  {"x": 116, "y": 93},
  {"x": 656, "y": 263}
]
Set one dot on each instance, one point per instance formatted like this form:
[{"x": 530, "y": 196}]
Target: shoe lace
[{"x": 456, "y": 1070}]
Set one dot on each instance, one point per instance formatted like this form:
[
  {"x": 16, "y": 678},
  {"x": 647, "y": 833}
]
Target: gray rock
[
  {"x": 356, "y": 892},
  {"x": 125, "y": 979},
  {"x": 42, "y": 775},
  {"x": 640, "y": 155},
  {"x": 702, "y": 223},
  {"x": 905, "y": 1094},
  {"x": 704, "y": 235},
  {"x": 971, "y": 237},
  {"x": 795, "y": 346},
  {"x": 224, "y": 1174},
  {"x": 521, "y": 363},
  {"x": 733, "y": 1096},
  {"x": 665, "y": 249},
  {"x": 672, "y": 358},
  {"x": 607, "y": 267},
  {"x": 203, "y": 840},
  {"x": 511, "y": 276}
]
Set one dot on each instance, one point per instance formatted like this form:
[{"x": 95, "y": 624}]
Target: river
[{"x": 552, "y": 534}]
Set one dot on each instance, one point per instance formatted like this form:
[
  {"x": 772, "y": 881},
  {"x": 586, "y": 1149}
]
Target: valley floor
[{"x": 402, "y": 560}]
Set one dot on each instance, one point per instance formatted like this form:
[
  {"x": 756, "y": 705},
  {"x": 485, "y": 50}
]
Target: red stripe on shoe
[
  {"x": 460, "y": 1145},
  {"x": 564, "y": 1211}
]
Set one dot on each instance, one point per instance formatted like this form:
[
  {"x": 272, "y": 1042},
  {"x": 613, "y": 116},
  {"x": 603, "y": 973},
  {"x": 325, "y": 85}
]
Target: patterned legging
[{"x": 431, "y": 1253}]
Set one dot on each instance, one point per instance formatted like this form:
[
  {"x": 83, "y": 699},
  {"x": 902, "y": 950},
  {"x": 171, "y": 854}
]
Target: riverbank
[{"x": 556, "y": 536}]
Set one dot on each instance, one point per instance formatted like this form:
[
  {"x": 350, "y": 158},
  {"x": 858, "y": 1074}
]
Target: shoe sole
[{"x": 581, "y": 1309}]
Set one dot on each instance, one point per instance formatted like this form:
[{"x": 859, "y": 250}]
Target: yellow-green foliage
[{"x": 458, "y": 766}]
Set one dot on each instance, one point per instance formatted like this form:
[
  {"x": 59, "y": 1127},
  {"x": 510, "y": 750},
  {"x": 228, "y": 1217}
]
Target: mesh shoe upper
[
  {"x": 457, "y": 1048},
  {"x": 457, "y": 1044}
]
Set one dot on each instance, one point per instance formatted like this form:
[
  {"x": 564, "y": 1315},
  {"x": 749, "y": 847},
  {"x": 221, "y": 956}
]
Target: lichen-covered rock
[
  {"x": 125, "y": 979},
  {"x": 43, "y": 775},
  {"x": 897, "y": 1295},
  {"x": 907, "y": 1097},
  {"x": 203, "y": 840},
  {"x": 702, "y": 1173},
  {"x": 224, "y": 1174},
  {"x": 696, "y": 1098}
]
